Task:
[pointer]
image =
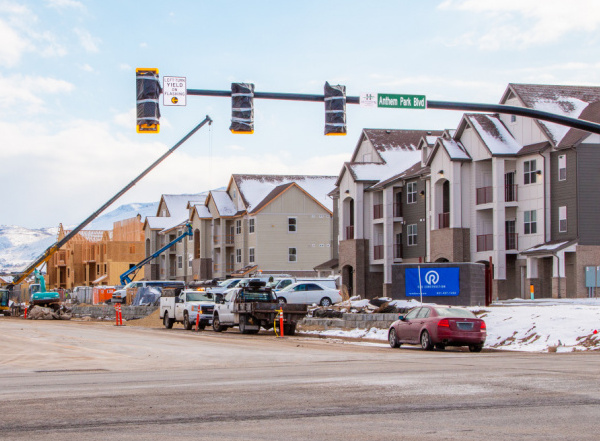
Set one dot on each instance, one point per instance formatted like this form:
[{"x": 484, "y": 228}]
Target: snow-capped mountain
[{"x": 19, "y": 246}]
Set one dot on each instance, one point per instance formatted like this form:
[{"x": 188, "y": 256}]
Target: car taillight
[
  {"x": 444, "y": 323},
  {"x": 482, "y": 327}
]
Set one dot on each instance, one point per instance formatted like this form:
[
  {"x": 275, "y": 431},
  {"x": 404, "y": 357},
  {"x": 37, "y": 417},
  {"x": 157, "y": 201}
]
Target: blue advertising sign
[{"x": 435, "y": 282}]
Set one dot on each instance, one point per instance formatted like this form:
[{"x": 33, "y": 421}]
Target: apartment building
[
  {"x": 521, "y": 193},
  {"x": 258, "y": 223},
  {"x": 96, "y": 257},
  {"x": 380, "y": 196},
  {"x": 170, "y": 222}
]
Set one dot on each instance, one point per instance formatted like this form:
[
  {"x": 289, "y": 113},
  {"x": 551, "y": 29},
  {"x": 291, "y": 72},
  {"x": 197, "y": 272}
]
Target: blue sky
[{"x": 67, "y": 84}]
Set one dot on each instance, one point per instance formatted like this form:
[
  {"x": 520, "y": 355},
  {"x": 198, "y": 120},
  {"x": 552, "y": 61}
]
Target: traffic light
[
  {"x": 335, "y": 110},
  {"x": 148, "y": 90},
  {"x": 242, "y": 108}
]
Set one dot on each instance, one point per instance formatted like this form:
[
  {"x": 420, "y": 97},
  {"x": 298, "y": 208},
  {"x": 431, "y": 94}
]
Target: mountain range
[{"x": 19, "y": 246}]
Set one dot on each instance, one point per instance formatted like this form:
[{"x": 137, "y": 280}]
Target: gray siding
[
  {"x": 564, "y": 193},
  {"x": 414, "y": 214},
  {"x": 588, "y": 196}
]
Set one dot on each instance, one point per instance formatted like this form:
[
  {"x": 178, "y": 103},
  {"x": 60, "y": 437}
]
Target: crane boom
[{"x": 46, "y": 255}]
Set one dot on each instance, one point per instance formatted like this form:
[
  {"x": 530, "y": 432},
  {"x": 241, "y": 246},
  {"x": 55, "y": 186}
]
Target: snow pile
[{"x": 545, "y": 325}]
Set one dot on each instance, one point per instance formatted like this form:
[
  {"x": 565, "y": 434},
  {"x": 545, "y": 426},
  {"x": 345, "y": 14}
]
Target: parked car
[
  {"x": 225, "y": 285},
  {"x": 438, "y": 326},
  {"x": 308, "y": 293},
  {"x": 280, "y": 283}
]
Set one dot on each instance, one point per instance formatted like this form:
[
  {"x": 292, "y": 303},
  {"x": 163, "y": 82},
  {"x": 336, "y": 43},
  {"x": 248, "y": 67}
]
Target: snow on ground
[{"x": 545, "y": 325}]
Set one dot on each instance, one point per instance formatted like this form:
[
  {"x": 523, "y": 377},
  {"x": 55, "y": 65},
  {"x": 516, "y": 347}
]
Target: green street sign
[{"x": 394, "y": 101}]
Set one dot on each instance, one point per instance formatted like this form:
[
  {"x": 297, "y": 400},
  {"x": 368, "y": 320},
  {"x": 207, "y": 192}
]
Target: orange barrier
[
  {"x": 118, "y": 315},
  {"x": 102, "y": 293}
]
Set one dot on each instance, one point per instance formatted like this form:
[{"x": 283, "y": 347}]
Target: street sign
[
  {"x": 174, "y": 91},
  {"x": 393, "y": 101}
]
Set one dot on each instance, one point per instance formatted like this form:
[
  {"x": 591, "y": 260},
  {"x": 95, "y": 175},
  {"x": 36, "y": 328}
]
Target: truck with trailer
[
  {"x": 186, "y": 306},
  {"x": 254, "y": 306}
]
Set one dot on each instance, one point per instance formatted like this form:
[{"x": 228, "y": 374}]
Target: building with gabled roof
[
  {"x": 378, "y": 198},
  {"x": 518, "y": 193}
]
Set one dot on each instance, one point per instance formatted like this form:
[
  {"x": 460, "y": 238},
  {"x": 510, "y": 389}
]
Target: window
[
  {"x": 530, "y": 222},
  {"x": 411, "y": 192},
  {"x": 412, "y": 314},
  {"x": 238, "y": 226},
  {"x": 513, "y": 118},
  {"x": 292, "y": 255},
  {"x": 238, "y": 255},
  {"x": 251, "y": 225},
  {"x": 179, "y": 262},
  {"x": 529, "y": 172},
  {"x": 251, "y": 255},
  {"x": 292, "y": 224},
  {"x": 562, "y": 219},
  {"x": 412, "y": 234},
  {"x": 562, "y": 168}
]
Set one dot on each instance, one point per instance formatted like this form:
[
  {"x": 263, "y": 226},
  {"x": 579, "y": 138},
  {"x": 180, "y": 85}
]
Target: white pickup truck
[{"x": 185, "y": 307}]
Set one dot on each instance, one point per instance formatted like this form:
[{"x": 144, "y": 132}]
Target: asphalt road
[{"x": 91, "y": 381}]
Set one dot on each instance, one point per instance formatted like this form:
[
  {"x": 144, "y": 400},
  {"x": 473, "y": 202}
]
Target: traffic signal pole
[{"x": 441, "y": 105}]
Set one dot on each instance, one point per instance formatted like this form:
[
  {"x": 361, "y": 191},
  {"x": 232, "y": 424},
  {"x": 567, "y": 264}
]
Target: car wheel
[
  {"x": 217, "y": 325},
  {"x": 475, "y": 348},
  {"x": 325, "y": 301},
  {"x": 167, "y": 322},
  {"x": 186, "y": 321},
  {"x": 393, "y": 339},
  {"x": 281, "y": 300},
  {"x": 440, "y": 347},
  {"x": 426, "y": 341}
]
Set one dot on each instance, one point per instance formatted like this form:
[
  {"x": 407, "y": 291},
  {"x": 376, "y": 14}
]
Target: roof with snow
[
  {"x": 255, "y": 188},
  {"x": 493, "y": 133},
  {"x": 549, "y": 247},
  {"x": 223, "y": 202},
  {"x": 414, "y": 171},
  {"x": 202, "y": 211},
  {"x": 398, "y": 149},
  {"x": 177, "y": 203},
  {"x": 569, "y": 101}
]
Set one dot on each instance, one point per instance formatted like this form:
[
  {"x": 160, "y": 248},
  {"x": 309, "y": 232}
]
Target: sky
[{"x": 67, "y": 85}]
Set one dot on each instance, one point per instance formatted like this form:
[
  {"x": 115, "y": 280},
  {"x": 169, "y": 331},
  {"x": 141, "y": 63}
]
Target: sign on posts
[{"x": 393, "y": 101}]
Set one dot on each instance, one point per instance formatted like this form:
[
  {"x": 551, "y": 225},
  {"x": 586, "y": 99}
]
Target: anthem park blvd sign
[{"x": 393, "y": 101}]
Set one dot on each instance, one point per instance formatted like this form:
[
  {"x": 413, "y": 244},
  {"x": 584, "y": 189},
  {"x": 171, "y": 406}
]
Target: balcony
[
  {"x": 398, "y": 251},
  {"x": 377, "y": 211},
  {"x": 484, "y": 195},
  {"x": 397, "y": 210},
  {"x": 350, "y": 232},
  {"x": 485, "y": 242},
  {"x": 229, "y": 239},
  {"x": 512, "y": 241},
  {"x": 443, "y": 220},
  {"x": 510, "y": 193},
  {"x": 377, "y": 252}
]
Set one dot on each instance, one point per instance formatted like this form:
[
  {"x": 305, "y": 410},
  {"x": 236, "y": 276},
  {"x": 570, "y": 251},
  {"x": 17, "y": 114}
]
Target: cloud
[
  {"x": 86, "y": 40},
  {"x": 25, "y": 92},
  {"x": 19, "y": 34},
  {"x": 505, "y": 24},
  {"x": 64, "y": 4},
  {"x": 90, "y": 161}
]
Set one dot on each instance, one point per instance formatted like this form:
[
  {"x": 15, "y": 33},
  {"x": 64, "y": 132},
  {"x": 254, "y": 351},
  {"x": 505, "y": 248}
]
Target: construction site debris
[{"x": 45, "y": 313}]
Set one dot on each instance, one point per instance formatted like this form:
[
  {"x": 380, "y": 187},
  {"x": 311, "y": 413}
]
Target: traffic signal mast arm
[
  {"x": 443, "y": 105},
  {"x": 46, "y": 255},
  {"x": 125, "y": 276}
]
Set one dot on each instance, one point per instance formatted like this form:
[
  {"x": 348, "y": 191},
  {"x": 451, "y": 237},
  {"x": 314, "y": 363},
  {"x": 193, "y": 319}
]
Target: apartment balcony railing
[
  {"x": 227, "y": 239},
  {"x": 510, "y": 193},
  {"x": 484, "y": 195},
  {"x": 397, "y": 210},
  {"x": 444, "y": 220},
  {"x": 229, "y": 267},
  {"x": 512, "y": 241},
  {"x": 215, "y": 267},
  {"x": 398, "y": 251},
  {"x": 485, "y": 242},
  {"x": 377, "y": 252},
  {"x": 377, "y": 211},
  {"x": 350, "y": 232}
]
